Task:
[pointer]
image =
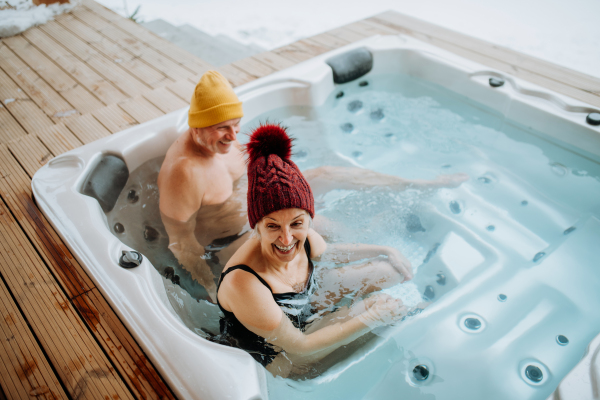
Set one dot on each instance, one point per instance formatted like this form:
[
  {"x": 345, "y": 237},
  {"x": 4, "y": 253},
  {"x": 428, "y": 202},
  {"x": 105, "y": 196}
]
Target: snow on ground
[
  {"x": 562, "y": 32},
  {"x": 17, "y": 16}
]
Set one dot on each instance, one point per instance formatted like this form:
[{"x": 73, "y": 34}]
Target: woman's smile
[{"x": 285, "y": 249}]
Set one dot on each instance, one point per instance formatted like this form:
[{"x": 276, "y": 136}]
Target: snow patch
[{"x": 19, "y": 15}]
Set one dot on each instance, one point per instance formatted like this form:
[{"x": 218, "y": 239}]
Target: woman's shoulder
[
  {"x": 317, "y": 243},
  {"x": 243, "y": 292}
]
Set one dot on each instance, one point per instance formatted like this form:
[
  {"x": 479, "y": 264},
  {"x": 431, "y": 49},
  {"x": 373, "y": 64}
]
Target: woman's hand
[
  {"x": 382, "y": 309},
  {"x": 400, "y": 263}
]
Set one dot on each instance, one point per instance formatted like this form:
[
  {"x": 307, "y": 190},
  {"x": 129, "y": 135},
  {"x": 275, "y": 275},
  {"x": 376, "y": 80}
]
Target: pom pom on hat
[
  {"x": 269, "y": 139},
  {"x": 274, "y": 181}
]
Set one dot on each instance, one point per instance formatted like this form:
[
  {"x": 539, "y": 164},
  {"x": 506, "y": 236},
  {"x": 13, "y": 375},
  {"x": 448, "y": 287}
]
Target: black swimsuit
[{"x": 296, "y": 307}]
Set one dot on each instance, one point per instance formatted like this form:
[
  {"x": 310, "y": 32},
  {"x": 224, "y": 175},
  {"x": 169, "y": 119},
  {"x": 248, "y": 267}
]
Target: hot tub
[{"x": 508, "y": 259}]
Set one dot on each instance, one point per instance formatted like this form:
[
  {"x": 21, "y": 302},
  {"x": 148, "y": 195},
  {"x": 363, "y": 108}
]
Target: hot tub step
[{"x": 218, "y": 50}]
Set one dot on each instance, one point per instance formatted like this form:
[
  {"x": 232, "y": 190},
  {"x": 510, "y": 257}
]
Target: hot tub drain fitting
[
  {"x": 130, "y": 259},
  {"x": 421, "y": 372}
]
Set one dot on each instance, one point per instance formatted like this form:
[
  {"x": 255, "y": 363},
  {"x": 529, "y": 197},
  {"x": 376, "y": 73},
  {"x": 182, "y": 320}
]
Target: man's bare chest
[{"x": 219, "y": 182}]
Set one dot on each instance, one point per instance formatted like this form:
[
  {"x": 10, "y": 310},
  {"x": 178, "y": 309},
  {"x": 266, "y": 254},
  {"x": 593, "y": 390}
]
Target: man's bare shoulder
[
  {"x": 180, "y": 184},
  {"x": 180, "y": 171}
]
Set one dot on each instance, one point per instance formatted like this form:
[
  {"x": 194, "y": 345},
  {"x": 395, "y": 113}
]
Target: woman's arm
[
  {"x": 253, "y": 305},
  {"x": 327, "y": 178}
]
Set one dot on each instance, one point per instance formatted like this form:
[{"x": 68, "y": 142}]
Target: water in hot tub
[{"x": 530, "y": 205}]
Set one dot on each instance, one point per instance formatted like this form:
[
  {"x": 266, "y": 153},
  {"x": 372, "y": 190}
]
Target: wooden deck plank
[
  {"x": 521, "y": 61},
  {"x": 300, "y": 51},
  {"x": 140, "y": 109},
  {"x": 10, "y": 129},
  {"x": 176, "y": 54},
  {"x": 327, "y": 40},
  {"x": 347, "y": 34},
  {"x": 24, "y": 368},
  {"x": 183, "y": 89},
  {"x": 87, "y": 128},
  {"x": 21, "y": 107},
  {"x": 33, "y": 85},
  {"x": 80, "y": 363},
  {"x": 368, "y": 28},
  {"x": 79, "y": 70},
  {"x": 273, "y": 60},
  {"x": 165, "y": 100},
  {"x": 111, "y": 50},
  {"x": 30, "y": 152},
  {"x": 253, "y": 67},
  {"x": 58, "y": 139},
  {"x": 234, "y": 75},
  {"x": 130, "y": 43},
  {"x": 129, "y": 358},
  {"x": 114, "y": 118},
  {"x": 104, "y": 66},
  {"x": 15, "y": 189},
  {"x": 60, "y": 81}
]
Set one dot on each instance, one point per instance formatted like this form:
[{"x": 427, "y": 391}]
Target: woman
[{"x": 267, "y": 291}]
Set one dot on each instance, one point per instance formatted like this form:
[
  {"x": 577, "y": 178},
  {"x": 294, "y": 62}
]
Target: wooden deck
[{"x": 86, "y": 75}]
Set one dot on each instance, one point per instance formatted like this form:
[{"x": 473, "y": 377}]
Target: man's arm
[
  {"x": 327, "y": 178},
  {"x": 343, "y": 253},
  {"x": 180, "y": 199}
]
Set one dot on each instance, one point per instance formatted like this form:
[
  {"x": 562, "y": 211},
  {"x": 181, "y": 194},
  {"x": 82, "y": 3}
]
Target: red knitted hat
[{"x": 274, "y": 181}]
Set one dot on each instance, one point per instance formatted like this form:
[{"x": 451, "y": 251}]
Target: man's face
[{"x": 220, "y": 137}]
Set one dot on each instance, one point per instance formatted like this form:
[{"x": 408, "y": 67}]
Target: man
[{"x": 202, "y": 182}]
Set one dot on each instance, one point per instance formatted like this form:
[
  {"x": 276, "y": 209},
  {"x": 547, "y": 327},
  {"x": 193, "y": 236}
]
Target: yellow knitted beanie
[{"x": 213, "y": 101}]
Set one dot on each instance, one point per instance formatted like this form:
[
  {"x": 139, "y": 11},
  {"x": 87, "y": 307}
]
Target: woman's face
[{"x": 283, "y": 232}]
